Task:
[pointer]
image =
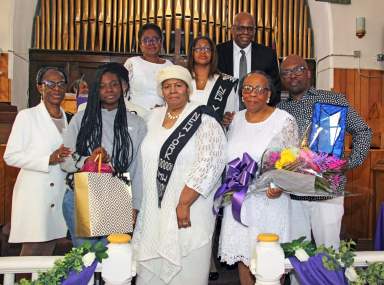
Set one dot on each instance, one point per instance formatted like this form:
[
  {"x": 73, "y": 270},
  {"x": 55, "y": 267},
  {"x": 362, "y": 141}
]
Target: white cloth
[
  {"x": 202, "y": 96},
  {"x": 39, "y": 189},
  {"x": 237, "y": 56},
  {"x": 323, "y": 217},
  {"x": 261, "y": 214},
  {"x": 142, "y": 82},
  {"x": 199, "y": 166},
  {"x": 197, "y": 263}
]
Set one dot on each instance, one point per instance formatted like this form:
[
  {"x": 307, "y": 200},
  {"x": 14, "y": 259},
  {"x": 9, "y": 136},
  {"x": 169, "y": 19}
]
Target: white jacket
[{"x": 39, "y": 189}]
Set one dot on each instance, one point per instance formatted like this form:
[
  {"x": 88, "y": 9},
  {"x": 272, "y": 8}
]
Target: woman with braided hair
[{"x": 105, "y": 127}]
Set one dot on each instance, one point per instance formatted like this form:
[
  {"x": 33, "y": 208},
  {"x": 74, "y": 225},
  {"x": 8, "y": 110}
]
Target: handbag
[{"x": 103, "y": 203}]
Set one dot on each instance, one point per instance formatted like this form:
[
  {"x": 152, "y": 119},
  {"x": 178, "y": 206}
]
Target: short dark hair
[
  {"x": 150, "y": 26},
  {"x": 43, "y": 70},
  {"x": 271, "y": 87},
  {"x": 191, "y": 61}
]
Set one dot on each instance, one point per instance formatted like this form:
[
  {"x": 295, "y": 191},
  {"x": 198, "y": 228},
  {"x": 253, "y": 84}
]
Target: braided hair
[{"x": 90, "y": 133}]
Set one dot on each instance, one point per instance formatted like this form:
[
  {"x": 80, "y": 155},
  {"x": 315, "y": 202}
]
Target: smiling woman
[
  {"x": 35, "y": 146},
  {"x": 143, "y": 69},
  {"x": 105, "y": 127}
]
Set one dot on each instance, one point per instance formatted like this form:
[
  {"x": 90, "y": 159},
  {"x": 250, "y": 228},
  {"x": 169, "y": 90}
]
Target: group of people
[{"x": 175, "y": 129}]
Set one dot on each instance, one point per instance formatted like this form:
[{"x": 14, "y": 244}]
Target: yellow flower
[{"x": 287, "y": 156}]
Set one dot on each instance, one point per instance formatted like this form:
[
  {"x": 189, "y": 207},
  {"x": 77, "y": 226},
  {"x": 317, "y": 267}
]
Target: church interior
[{"x": 341, "y": 41}]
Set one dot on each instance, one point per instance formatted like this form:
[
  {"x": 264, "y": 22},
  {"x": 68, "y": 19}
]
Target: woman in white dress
[
  {"x": 143, "y": 69},
  {"x": 183, "y": 156},
  {"x": 35, "y": 146},
  {"x": 253, "y": 130},
  {"x": 210, "y": 87}
]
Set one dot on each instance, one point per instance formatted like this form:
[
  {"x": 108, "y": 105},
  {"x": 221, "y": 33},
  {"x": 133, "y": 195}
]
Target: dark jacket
[{"x": 263, "y": 58}]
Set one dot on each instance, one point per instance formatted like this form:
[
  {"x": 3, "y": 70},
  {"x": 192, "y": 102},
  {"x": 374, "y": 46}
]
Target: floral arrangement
[
  {"x": 337, "y": 260},
  {"x": 326, "y": 168},
  {"x": 74, "y": 261}
]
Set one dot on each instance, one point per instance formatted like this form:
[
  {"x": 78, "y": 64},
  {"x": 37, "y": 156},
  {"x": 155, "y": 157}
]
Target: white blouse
[
  {"x": 142, "y": 82},
  {"x": 202, "y": 96}
]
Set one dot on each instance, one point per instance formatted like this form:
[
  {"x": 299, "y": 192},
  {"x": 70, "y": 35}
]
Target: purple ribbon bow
[
  {"x": 238, "y": 176},
  {"x": 82, "y": 277}
]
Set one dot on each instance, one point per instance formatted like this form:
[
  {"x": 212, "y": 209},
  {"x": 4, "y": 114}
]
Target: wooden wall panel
[
  {"x": 5, "y": 95},
  {"x": 363, "y": 89},
  {"x": 7, "y": 181}
]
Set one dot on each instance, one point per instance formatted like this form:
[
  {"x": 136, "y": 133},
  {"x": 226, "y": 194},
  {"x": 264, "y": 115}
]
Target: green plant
[{"x": 72, "y": 261}]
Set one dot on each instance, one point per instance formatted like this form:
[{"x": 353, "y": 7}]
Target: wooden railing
[{"x": 9, "y": 266}]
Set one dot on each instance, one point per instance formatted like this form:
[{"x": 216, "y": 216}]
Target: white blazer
[{"x": 39, "y": 189}]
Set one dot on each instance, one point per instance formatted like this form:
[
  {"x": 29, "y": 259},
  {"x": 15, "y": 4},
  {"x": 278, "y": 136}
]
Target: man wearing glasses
[
  {"x": 242, "y": 55},
  {"x": 323, "y": 217}
]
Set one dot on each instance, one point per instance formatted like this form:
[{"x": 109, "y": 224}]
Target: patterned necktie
[
  {"x": 242, "y": 73},
  {"x": 243, "y": 64}
]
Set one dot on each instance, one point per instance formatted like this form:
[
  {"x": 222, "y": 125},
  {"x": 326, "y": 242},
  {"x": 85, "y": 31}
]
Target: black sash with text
[
  {"x": 173, "y": 146},
  {"x": 219, "y": 94}
]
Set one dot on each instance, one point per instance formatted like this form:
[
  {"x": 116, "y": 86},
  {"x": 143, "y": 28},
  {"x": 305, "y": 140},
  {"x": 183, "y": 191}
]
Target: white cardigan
[{"x": 39, "y": 189}]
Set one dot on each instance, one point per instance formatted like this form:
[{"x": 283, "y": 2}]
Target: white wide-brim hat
[{"x": 174, "y": 72}]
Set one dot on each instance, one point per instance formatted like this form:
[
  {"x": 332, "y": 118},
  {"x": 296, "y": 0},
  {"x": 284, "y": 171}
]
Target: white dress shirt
[{"x": 237, "y": 56}]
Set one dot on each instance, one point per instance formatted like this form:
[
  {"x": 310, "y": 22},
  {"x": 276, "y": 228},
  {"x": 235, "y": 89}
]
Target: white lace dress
[
  {"x": 261, "y": 214},
  {"x": 199, "y": 165}
]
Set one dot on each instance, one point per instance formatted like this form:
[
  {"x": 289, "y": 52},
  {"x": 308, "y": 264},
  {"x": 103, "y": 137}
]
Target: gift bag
[
  {"x": 328, "y": 128},
  {"x": 103, "y": 204}
]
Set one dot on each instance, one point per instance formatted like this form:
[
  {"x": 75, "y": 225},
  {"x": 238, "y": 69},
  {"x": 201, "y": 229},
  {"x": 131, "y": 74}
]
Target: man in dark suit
[{"x": 241, "y": 55}]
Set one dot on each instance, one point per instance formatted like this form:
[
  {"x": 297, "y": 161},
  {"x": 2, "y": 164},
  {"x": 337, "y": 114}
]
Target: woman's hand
[
  {"x": 97, "y": 151},
  {"x": 187, "y": 197},
  {"x": 59, "y": 155},
  {"x": 228, "y": 117},
  {"x": 273, "y": 193},
  {"x": 183, "y": 217}
]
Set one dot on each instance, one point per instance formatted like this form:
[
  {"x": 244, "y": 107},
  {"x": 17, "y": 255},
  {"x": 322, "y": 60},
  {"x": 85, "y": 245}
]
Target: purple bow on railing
[{"x": 238, "y": 176}]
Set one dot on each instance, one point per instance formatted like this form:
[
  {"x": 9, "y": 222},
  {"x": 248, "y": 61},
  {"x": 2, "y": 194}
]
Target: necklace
[{"x": 172, "y": 117}]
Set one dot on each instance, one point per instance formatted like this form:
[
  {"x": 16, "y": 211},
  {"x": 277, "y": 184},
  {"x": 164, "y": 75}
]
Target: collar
[
  {"x": 309, "y": 92},
  {"x": 237, "y": 49}
]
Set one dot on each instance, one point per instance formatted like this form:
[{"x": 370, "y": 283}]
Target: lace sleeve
[
  {"x": 129, "y": 66},
  {"x": 210, "y": 157},
  {"x": 289, "y": 135}
]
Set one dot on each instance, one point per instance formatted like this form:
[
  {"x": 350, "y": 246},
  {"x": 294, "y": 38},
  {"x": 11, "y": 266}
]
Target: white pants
[
  {"x": 195, "y": 269},
  {"x": 322, "y": 217}
]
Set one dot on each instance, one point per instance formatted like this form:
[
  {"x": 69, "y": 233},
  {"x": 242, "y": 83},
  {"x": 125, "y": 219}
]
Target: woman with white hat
[{"x": 183, "y": 158}]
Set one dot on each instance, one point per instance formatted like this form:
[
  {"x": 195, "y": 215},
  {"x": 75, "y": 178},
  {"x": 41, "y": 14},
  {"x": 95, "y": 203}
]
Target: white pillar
[{"x": 267, "y": 263}]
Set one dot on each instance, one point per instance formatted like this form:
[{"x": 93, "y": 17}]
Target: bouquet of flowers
[{"x": 302, "y": 172}]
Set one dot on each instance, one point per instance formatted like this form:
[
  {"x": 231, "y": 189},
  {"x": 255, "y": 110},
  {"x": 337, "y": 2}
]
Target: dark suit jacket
[{"x": 263, "y": 58}]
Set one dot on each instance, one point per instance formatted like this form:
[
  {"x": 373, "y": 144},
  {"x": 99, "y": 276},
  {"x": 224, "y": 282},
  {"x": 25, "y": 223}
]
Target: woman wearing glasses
[
  {"x": 35, "y": 146},
  {"x": 143, "y": 69},
  {"x": 210, "y": 87},
  {"x": 253, "y": 130}
]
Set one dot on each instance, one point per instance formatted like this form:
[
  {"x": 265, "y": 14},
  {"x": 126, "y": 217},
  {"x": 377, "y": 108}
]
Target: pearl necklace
[{"x": 172, "y": 117}]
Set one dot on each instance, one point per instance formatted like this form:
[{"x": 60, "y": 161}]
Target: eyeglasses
[
  {"x": 297, "y": 71},
  {"x": 150, "y": 40},
  {"x": 259, "y": 90},
  {"x": 244, "y": 29},
  {"x": 202, "y": 49},
  {"x": 113, "y": 84},
  {"x": 52, "y": 84}
]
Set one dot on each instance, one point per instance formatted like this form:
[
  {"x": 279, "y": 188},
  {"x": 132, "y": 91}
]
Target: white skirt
[{"x": 261, "y": 215}]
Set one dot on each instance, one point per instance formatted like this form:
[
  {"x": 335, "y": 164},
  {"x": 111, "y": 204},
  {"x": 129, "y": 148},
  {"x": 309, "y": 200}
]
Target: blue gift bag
[{"x": 328, "y": 128}]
